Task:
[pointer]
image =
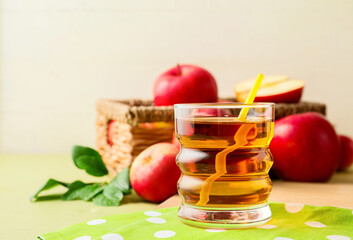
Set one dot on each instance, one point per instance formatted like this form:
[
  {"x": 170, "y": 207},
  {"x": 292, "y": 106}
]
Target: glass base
[{"x": 234, "y": 218}]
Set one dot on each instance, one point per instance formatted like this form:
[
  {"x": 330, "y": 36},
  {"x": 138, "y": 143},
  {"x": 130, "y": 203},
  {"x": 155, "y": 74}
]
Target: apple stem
[{"x": 178, "y": 69}]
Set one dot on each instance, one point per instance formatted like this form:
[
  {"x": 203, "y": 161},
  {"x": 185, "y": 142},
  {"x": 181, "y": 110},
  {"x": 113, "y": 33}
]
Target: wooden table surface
[
  {"x": 337, "y": 193},
  {"x": 22, "y": 175}
]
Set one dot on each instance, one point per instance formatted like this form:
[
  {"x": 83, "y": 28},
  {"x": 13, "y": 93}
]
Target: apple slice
[
  {"x": 284, "y": 92},
  {"x": 243, "y": 88},
  {"x": 288, "y": 91}
]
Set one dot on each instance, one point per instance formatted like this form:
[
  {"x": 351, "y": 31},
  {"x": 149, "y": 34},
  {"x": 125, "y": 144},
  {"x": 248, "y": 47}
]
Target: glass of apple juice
[{"x": 224, "y": 159}]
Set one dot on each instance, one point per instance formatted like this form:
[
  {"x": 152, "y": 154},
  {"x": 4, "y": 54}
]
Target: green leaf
[
  {"x": 113, "y": 193},
  {"x": 73, "y": 192},
  {"x": 116, "y": 189},
  {"x": 102, "y": 200},
  {"x": 48, "y": 197},
  {"x": 51, "y": 183},
  {"x": 89, "y": 160},
  {"x": 78, "y": 151},
  {"x": 91, "y": 166},
  {"x": 88, "y": 192},
  {"x": 122, "y": 181}
]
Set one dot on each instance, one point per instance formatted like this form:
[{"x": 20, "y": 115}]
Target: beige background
[{"x": 59, "y": 56}]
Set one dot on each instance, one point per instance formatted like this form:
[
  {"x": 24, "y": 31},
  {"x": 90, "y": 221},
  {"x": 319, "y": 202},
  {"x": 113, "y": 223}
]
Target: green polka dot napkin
[{"x": 289, "y": 221}]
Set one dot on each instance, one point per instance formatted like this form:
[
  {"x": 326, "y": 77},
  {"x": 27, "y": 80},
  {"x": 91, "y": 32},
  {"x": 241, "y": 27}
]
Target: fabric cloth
[{"x": 289, "y": 221}]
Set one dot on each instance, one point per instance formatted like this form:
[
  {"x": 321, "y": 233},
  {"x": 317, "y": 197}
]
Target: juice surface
[{"x": 224, "y": 162}]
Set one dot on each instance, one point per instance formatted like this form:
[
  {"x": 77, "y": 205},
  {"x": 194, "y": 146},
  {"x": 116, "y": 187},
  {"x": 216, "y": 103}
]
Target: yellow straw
[
  {"x": 240, "y": 140},
  {"x": 251, "y": 97}
]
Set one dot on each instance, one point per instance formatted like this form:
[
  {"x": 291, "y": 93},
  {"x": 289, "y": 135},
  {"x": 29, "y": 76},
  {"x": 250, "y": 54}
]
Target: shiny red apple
[
  {"x": 305, "y": 148},
  {"x": 110, "y": 132},
  {"x": 209, "y": 112},
  {"x": 185, "y": 84},
  {"x": 346, "y": 159},
  {"x": 154, "y": 173},
  {"x": 175, "y": 141}
]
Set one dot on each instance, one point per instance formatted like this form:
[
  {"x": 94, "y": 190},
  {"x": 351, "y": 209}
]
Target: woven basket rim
[{"x": 134, "y": 111}]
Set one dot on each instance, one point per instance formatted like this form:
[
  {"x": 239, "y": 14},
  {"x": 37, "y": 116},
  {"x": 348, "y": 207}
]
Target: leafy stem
[{"x": 102, "y": 193}]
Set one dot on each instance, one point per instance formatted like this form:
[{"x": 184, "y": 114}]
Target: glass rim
[{"x": 224, "y": 105}]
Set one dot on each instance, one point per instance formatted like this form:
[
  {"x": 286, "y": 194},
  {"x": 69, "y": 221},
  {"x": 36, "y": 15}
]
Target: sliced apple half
[
  {"x": 284, "y": 92},
  {"x": 287, "y": 91},
  {"x": 243, "y": 88}
]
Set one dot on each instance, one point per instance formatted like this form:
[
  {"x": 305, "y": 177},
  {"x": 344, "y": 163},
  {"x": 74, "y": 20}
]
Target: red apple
[
  {"x": 209, "y": 112},
  {"x": 185, "y": 84},
  {"x": 154, "y": 173},
  {"x": 110, "y": 132},
  {"x": 155, "y": 125},
  {"x": 273, "y": 89},
  {"x": 225, "y": 101},
  {"x": 346, "y": 158},
  {"x": 175, "y": 141},
  {"x": 305, "y": 148}
]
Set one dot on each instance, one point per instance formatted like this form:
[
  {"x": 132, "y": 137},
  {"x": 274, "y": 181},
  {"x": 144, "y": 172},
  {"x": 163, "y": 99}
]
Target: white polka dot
[
  {"x": 267, "y": 226},
  {"x": 156, "y": 220},
  {"x": 83, "y": 238},
  {"x": 112, "y": 236},
  {"x": 282, "y": 238},
  {"x": 96, "y": 222},
  {"x": 152, "y": 213},
  {"x": 338, "y": 237},
  {"x": 164, "y": 234},
  {"x": 215, "y": 230},
  {"x": 293, "y": 207},
  {"x": 315, "y": 224}
]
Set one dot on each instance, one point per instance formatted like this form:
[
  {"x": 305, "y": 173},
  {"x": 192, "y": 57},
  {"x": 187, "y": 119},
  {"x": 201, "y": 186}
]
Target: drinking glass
[{"x": 224, "y": 159}]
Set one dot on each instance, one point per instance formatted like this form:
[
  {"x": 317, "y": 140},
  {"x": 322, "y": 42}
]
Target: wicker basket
[{"x": 138, "y": 124}]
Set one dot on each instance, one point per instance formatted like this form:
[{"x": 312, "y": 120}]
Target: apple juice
[{"x": 241, "y": 150}]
